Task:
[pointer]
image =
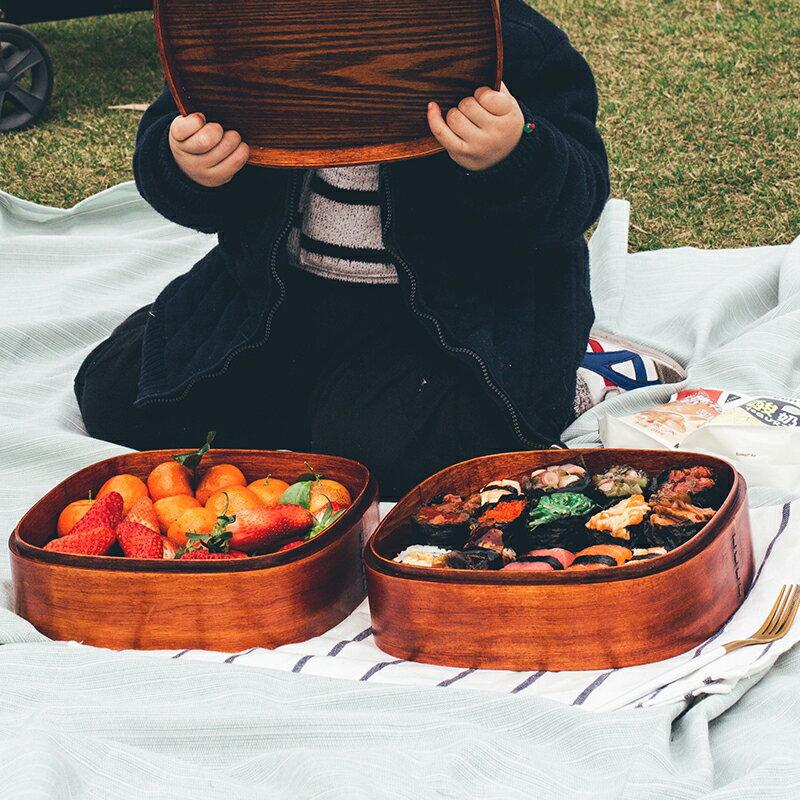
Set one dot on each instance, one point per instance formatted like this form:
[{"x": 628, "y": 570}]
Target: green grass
[
  {"x": 82, "y": 146},
  {"x": 698, "y": 106}
]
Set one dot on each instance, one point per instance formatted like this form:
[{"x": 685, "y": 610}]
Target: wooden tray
[
  {"x": 328, "y": 83},
  {"x": 261, "y": 601},
  {"x": 595, "y": 619}
]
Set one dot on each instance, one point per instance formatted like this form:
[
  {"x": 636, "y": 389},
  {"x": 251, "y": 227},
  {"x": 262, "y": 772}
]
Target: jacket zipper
[
  {"x": 435, "y": 322},
  {"x": 273, "y": 259}
]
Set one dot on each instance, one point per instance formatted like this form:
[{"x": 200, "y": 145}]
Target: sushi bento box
[
  {"x": 226, "y": 603},
  {"x": 561, "y": 560}
]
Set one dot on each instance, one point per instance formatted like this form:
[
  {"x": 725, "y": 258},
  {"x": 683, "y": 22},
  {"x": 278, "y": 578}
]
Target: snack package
[
  {"x": 760, "y": 436},
  {"x": 665, "y": 426}
]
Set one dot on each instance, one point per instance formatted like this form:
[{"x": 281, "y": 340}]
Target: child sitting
[{"x": 408, "y": 315}]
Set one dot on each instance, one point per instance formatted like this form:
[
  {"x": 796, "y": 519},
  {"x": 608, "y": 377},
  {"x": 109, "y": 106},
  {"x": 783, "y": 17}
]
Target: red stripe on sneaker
[{"x": 598, "y": 348}]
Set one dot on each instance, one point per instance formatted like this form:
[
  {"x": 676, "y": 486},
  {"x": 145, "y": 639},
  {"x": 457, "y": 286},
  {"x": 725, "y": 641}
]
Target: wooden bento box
[
  {"x": 560, "y": 620},
  {"x": 229, "y": 605}
]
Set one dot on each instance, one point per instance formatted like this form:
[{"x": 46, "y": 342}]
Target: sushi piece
[
  {"x": 445, "y": 523},
  {"x": 700, "y": 483},
  {"x": 674, "y": 520},
  {"x": 557, "y": 520},
  {"x": 621, "y": 522},
  {"x": 645, "y": 553},
  {"x": 601, "y": 555},
  {"x": 508, "y": 515},
  {"x": 557, "y": 478},
  {"x": 561, "y": 505},
  {"x": 472, "y": 558},
  {"x": 493, "y": 539},
  {"x": 620, "y": 481},
  {"x": 420, "y": 555},
  {"x": 500, "y": 490},
  {"x": 503, "y": 513},
  {"x": 678, "y": 509},
  {"x": 542, "y": 561}
]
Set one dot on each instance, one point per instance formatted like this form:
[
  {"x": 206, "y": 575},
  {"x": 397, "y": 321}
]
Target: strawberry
[
  {"x": 290, "y": 546},
  {"x": 106, "y": 512},
  {"x": 201, "y": 554},
  {"x": 328, "y": 511},
  {"x": 263, "y": 527},
  {"x": 143, "y": 511},
  {"x": 325, "y": 518},
  {"x": 216, "y": 541},
  {"x": 170, "y": 550},
  {"x": 96, "y": 542},
  {"x": 138, "y": 541}
]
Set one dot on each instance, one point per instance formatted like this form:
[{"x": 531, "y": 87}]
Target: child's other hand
[
  {"x": 205, "y": 152},
  {"x": 482, "y": 130}
]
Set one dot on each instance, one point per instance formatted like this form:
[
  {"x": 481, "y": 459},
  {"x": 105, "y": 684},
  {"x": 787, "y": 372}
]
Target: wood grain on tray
[{"x": 330, "y": 82}]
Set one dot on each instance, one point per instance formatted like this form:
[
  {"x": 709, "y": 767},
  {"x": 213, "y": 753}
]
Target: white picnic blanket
[
  {"x": 82, "y": 722},
  {"x": 730, "y": 315}
]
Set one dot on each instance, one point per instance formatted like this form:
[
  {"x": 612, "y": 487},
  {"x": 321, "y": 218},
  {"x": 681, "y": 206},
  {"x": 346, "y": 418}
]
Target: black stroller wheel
[{"x": 26, "y": 78}]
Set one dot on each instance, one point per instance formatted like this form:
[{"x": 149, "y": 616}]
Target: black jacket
[{"x": 494, "y": 264}]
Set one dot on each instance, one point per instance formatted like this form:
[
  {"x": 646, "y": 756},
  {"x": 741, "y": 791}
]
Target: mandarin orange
[
  {"x": 269, "y": 490},
  {"x": 193, "y": 520},
  {"x": 70, "y": 516},
  {"x": 232, "y": 499},
  {"x": 216, "y": 478},
  {"x": 169, "y": 479},
  {"x": 129, "y": 486},
  {"x": 168, "y": 509},
  {"x": 324, "y": 490}
]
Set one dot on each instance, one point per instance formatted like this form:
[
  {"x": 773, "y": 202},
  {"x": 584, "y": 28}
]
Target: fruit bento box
[
  {"x": 618, "y": 602},
  {"x": 216, "y": 603}
]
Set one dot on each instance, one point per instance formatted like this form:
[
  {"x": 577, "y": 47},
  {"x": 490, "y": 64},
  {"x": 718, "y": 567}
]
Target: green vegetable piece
[{"x": 558, "y": 506}]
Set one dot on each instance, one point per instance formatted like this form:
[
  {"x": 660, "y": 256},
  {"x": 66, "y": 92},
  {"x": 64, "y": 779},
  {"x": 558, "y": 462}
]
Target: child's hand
[
  {"x": 204, "y": 151},
  {"x": 482, "y": 131}
]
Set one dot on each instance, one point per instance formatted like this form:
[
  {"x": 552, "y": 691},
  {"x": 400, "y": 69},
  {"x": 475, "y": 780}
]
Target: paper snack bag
[
  {"x": 760, "y": 436},
  {"x": 665, "y": 427}
]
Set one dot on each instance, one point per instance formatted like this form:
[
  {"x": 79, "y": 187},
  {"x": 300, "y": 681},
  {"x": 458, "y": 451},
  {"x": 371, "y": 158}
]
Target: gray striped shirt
[{"x": 337, "y": 227}]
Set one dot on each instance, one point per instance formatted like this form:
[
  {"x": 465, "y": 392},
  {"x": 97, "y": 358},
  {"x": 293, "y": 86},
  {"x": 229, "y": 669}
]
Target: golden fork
[
  {"x": 775, "y": 626},
  {"x": 777, "y": 623}
]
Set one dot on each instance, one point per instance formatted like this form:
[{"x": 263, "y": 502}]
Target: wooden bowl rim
[
  {"x": 630, "y": 571},
  {"x": 359, "y": 505},
  {"x": 312, "y": 158}
]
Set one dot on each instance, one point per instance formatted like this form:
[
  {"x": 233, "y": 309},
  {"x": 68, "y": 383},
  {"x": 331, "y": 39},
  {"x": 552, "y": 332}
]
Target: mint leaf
[{"x": 298, "y": 494}]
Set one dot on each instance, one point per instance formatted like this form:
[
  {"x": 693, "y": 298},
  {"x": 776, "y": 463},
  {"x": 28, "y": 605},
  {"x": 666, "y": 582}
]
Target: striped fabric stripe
[
  {"x": 351, "y": 197},
  {"x": 598, "y": 681},
  {"x": 529, "y": 681},
  {"x": 337, "y": 227},
  {"x": 365, "y": 634},
  {"x": 451, "y": 681},
  {"x": 339, "y": 252},
  {"x": 378, "y": 667}
]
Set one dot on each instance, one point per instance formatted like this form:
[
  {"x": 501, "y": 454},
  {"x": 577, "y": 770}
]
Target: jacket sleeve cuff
[
  {"x": 510, "y": 179},
  {"x": 180, "y": 187}
]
